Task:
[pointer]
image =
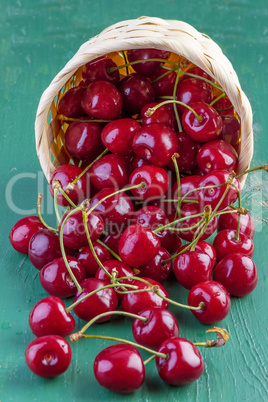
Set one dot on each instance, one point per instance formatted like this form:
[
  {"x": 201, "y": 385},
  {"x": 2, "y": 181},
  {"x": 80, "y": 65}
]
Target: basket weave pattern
[{"x": 144, "y": 32}]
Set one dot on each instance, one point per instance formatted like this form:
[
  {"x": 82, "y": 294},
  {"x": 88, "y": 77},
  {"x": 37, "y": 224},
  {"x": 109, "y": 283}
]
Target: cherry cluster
[{"x": 153, "y": 154}]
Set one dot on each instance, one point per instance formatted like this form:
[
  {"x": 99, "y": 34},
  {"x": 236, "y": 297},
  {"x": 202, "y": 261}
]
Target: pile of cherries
[{"x": 153, "y": 155}]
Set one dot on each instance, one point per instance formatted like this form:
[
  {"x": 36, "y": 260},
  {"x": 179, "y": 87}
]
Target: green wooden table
[{"x": 37, "y": 39}]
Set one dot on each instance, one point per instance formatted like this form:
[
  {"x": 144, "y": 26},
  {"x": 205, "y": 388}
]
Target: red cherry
[
  {"x": 66, "y": 174},
  {"x": 230, "y": 130},
  {"x": 225, "y": 244},
  {"x": 155, "y": 269},
  {"x": 138, "y": 246},
  {"x": 187, "y": 183},
  {"x": 216, "y": 299},
  {"x": 83, "y": 140},
  {"x": 192, "y": 90},
  {"x": 162, "y": 115},
  {"x": 112, "y": 241},
  {"x": 237, "y": 273},
  {"x": 70, "y": 103},
  {"x": 101, "y": 302},
  {"x": 56, "y": 280},
  {"x": 172, "y": 242},
  {"x": 99, "y": 70},
  {"x": 137, "y": 162},
  {"x": 136, "y": 92},
  {"x": 224, "y": 107},
  {"x": 197, "y": 71},
  {"x": 48, "y": 356},
  {"x": 118, "y": 134},
  {"x": 120, "y": 369},
  {"x": 192, "y": 267},
  {"x": 165, "y": 85},
  {"x": 230, "y": 221},
  {"x": 49, "y": 317},
  {"x": 102, "y": 100},
  {"x": 217, "y": 154},
  {"x": 160, "y": 325},
  {"x": 184, "y": 363},
  {"x": 156, "y": 180},
  {"x": 187, "y": 150},
  {"x": 21, "y": 233},
  {"x": 87, "y": 259},
  {"x": 147, "y": 68},
  {"x": 137, "y": 302},
  {"x": 210, "y": 126},
  {"x": 108, "y": 171},
  {"x": 206, "y": 248},
  {"x": 151, "y": 218}
]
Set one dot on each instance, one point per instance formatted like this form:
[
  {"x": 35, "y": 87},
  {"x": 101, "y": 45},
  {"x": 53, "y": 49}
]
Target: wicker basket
[{"x": 144, "y": 32}]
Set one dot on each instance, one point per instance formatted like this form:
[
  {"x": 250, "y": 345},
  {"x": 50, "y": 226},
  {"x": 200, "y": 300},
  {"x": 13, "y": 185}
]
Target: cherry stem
[
  {"x": 222, "y": 338},
  {"x": 187, "y": 228},
  {"x": 174, "y": 98},
  {"x": 201, "y": 305},
  {"x": 110, "y": 250},
  {"x": 62, "y": 117},
  {"x": 166, "y": 73},
  {"x": 39, "y": 201},
  {"x": 148, "y": 360},
  {"x": 203, "y": 79},
  {"x": 57, "y": 186},
  {"x": 177, "y": 221},
  {"x": 264, "y": 167},
  {"x": 112, "y": 69},
  {"x": 150, "y": 111},
  {"x": 218, "y": 98},
  {"x": 174, "y": 160},
  {"x": 236, "y": 238}
]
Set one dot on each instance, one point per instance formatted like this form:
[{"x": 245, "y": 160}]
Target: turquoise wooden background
[{"x": 36, "y": 39}]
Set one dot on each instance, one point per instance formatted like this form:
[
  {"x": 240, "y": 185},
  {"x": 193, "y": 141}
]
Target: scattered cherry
[{"x": 21, "y": 233}]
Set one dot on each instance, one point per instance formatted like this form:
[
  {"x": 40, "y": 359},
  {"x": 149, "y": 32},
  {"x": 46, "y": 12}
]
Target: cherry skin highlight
[
  {"x": 21, "y": 233},
  {"x": 108, "y": 171}
]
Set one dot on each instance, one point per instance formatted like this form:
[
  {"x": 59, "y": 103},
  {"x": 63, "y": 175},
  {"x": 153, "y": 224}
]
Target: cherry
[
  {"x": 56, "y": 280},
  {"x": 70, "y": 103},
  {"x": 197, "y": 71},
  {"x": 164, "y": 86},
  {"x": 151, "y": 217},
  {"x": 108, "y": 171},
  {"x": 230, "y": 221},
  {"x": 225, "y": 243},
  {"x": 216, "y": 299},
  {"x": 184, "y": 363},
  {"x": 155, "y": 143},
  {"x": 21, "y": 233},
  {"x": 192, "y": 267},
  {"x": 48, "y": 356},
  {"x": 83, "y": 140},
  {"x": 204, "y": 247},
  {"x": 156, "y": 180},
  {"x": 120, "y": 369},
  {"x": 118, "y": 134},
  {"x": 187, "y": 183},
  {"x": 74, "y": 233},
  {"x": 217, "y": 154},
  {"x": 209, "y": 126},
  {"x": 112, "y": 241},
  {"x": 66, "y": 174},
  {"x": 87, "y": 259},
  {"x": 137, "y": 302},
  {"x": 155, "y": 269},
  {"x": 138, "y": 246},
  {"x": 99, "y": 70},
  {"x": 172, "y": 242},
  {"x": 224, "y": 107},
  {"x": 161, "y": 115},
  {"x": 160, "y": 325},
  {"x": 192, "y": 90},
  {"x": 102, "y": 100},
  {"x": 147, "y": 68},
  {"x": 230, "y": 130},
  {"x": 237, "y": 273},
  {"x": 187, "y": 150},
  {"x": 136, "y": 92},
  {"x": 49, "y": 317},
  {"x": 212, "y": 196},
  {"x": 137, "y": 162}
]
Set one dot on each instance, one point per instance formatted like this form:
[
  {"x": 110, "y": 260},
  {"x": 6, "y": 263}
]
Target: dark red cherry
[
  {"x": 192, "y": 267},
  {"x": 66, "y": 174},
  {"x": 108, "y": 171},
  {"x": 156, "y": 182},
  {"x": 87, "y": 259},
  {"x": 162, "y": 115},
  {"x": 136, "y": 92},
  {"x": 164, "y": 86},
  {"x": 225, "y": 243},
  {"x": 217, "y": 154},
  {"x": 48, "y": 356},
  {"x": 224, "y": 107},
  {"x": 70, "y": 103},
  {"x": 237, "y": 273},
  {"x": 212, "y": 196},
  {"x": 99, "y": 70},
  {"x": 57, "y": 281},
  {"x": 21, "y": 233},
  {"x": 216, "y": 299},
  {"x": 184, "y": 363},
  {"x": 119, "y": 368},
  {"x": 83, "y": 140},
  {"x": 138, "y": 246},
  {"x": 210, "y": 126},
  {"x": 112, "y": 241},
  {"x": 230, "y": 130},
  {"x": 118, "y": 134},
  {"x": 103, "y": 301},
  {"x": 230, "y": 221},
  {"x": 155, "y": 269},
  {"x": 138, "y": 162},
  {"x": 197, "y": 71},
  {"x": 204, "y": 247},
  {"x": 74, "y": 233},
  {"x": 155, "y": 143},
  {"x": 172, "y": 242},
  {"x": 187, "y": 183},
  {"x": 192, "y": 90},
  {"x": 137, "y": 302},
  {"x": 102, "y": 100},
  {"x": 147, "y": 68},
  {"x": 151, "y": 218},
  {"x": 187, "y": 150},
  {"x": 160, "y": 325},
  {"x": 49, "y": 317}
]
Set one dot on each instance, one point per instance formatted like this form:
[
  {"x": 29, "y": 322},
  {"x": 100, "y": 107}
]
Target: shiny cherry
[
  {"x": 87, "y": 259},
  {"x": 56, "y": 280},
  {"x": 21, "y": 233},
  {"x": 237, "y": 273},
  {"x": 230, "y": 130},
  {"x": 49, "y": 317},
  {"x": 112, "y": 241},
  {"x": 172, "y": 242},
  {"x": 193, "y": 90},
  {"x": 224, "y": 107},
  {"x": 216, "y": 299},
  {"x": 108, "y": 171},
  {"x": 187, "y": 183},
  {"x": 102, "y": 100},
  {"x": 164, "y": 86},
  {"x": 137, "y": 162},
  {"x": 204, "y": 247},
  {"x": 70, "y": 103},
  {"x": 147, "y": 68},
  {"x": 155, "y": 269},
  {"x": 119, "y": 368},
  {"x": 48, "y": 356},
  {"x": 197, "y": 71},
  {"x": 162, "y": 115},
  {"x": 156, "y": 182},
  {"x": 217, "y": 154},
  {"x": 225, "y": 243},
  {"x": 151, "y": 218},
  {"x": 187, "y": 150},
  {"x": 230, "y": 221},
  {"x": 118, "y": 134},
  {"x": 184, "y": 363},
  {"x": 99, "y": 70}
]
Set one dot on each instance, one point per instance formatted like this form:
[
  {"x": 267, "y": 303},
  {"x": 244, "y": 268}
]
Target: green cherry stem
[
  {"x": 174, "y": 160},
  {"x": 177, "y": 221},
  {"x": 199, "y": 307},
  {"x": 39, "y": 201},
  {"x": 148, "y": 360},
  {"x": 264, "y": 167},
  {"x": 239, "y": 215},
  {"x": 174, "y": 98},
  {"x": 57, "y": 186},
  {"x": 218, "y": 98},
  {"x": 150, "y": 111},
  {"x": 109, "y": 249},
  {"x": 164, "y": 74}
]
